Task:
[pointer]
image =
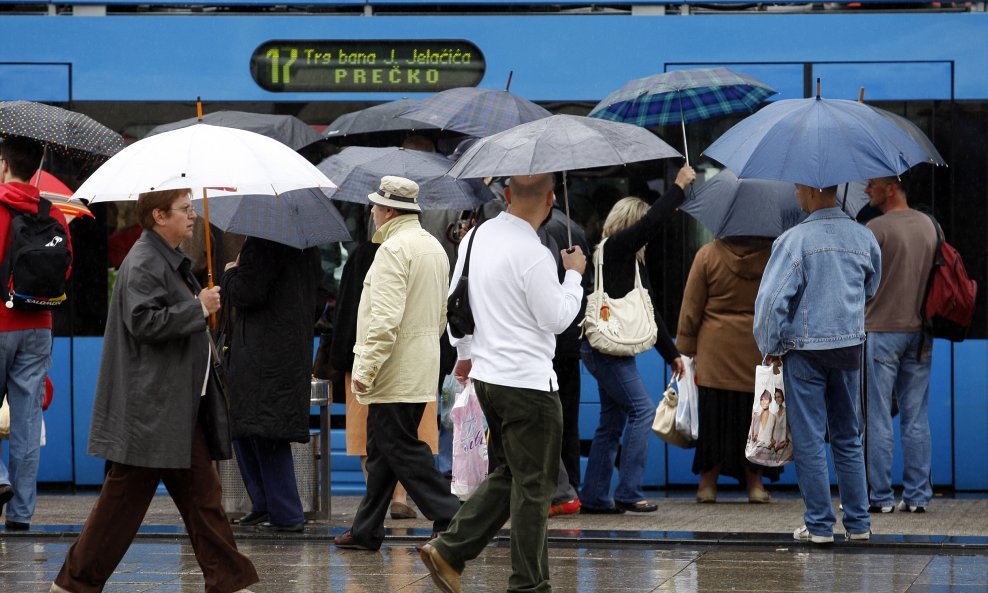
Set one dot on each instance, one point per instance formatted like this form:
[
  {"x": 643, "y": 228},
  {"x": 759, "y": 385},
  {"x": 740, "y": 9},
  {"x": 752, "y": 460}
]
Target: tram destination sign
[{"x": 366, "y": 66}]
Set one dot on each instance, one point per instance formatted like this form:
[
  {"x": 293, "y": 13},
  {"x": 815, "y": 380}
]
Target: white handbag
[
  {"x": 664, "y": 425},
  {"x": 619, "y": 327}
]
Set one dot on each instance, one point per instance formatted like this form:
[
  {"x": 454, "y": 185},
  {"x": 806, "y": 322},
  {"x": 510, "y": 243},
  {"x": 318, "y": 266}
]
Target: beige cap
[{"x": 398, "y": 193}]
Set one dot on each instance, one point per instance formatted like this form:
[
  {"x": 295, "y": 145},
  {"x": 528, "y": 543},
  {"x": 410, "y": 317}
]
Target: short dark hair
[
  {"x": 150, "y": 201},
  {"x": 23, "y": 155}
]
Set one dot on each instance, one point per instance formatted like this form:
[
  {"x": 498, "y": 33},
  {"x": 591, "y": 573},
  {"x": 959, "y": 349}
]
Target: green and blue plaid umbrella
[{"x": 682, "y": 96}]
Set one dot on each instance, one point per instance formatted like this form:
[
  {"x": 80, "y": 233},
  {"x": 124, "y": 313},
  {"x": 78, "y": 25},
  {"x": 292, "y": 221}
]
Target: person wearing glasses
[{"x": 147, "y": 419}]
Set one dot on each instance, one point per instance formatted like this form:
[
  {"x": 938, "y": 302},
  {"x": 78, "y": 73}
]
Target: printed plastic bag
[
  {"x": 768, "y": 437},
  {"x": 469, "y": 443},
  {"x": 687, "y": 412},
  {"x": 664, "y": 424},
  {"x": 447, "y": 397}
]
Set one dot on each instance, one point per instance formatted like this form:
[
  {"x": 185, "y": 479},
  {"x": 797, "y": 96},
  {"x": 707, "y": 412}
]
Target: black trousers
[
  {"x": 394, "y": 453},
  {"x": 568, "y": 373}
]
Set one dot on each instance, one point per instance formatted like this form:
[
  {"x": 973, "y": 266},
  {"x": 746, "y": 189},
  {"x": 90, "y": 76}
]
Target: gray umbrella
[
  {"x": 357, "y": 170},
  {"x": 560, "y": 143},
  {"x": 730, "y": 207},
  {"x": 379, "y": 118},
  {"x": 287, "y": 129},
  {"x": 300, "y": 218}
]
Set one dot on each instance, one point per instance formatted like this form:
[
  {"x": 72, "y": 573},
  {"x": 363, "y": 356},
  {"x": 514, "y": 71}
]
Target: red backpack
[{"x": 948, "y": 307}]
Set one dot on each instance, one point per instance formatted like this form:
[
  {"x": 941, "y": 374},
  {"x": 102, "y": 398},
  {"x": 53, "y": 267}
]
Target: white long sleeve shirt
[{"x": 518, "y": 305}]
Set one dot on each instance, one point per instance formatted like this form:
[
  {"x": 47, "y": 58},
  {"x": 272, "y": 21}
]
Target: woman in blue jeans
[{"x": 625, "y": 405}]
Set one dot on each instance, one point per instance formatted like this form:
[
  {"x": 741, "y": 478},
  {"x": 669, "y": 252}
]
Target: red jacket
[{"x": 23, "y": 197}]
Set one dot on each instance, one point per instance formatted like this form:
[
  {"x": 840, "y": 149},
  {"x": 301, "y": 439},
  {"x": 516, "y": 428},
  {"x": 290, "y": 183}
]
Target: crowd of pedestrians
[{"x": 829, "y": 301}]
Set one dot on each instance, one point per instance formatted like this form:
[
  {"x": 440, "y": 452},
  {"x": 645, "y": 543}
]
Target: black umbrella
[
  {"x": 287, "y": 129},
  {"x": 59, "y": 129},
  {"x": 379, "y": 118}
]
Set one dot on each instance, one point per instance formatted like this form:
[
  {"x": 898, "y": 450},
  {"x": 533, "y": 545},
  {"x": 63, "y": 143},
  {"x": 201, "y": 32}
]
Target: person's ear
[{"x": 507, "y": 194}]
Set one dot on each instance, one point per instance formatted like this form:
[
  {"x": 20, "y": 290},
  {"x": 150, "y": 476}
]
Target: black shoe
[
  {"x": 6, "y": 493},
  {"x": 882, "y": 509},
  {"x": 271, "y": 527},
  {"x": 585, "y": 510},
  {"x": 642, "y": 506},
  {"x": 348, "y": 542},
  {"x": 251, "y": 518},
  {"x": 16, "y": 525}
]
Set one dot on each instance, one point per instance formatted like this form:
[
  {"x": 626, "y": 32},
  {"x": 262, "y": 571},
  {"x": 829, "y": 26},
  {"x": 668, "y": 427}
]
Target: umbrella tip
[
  {"x": 861, "y": 95},
  {"x": 817, "y": 88},
  {"x": 511, "y": 73},
  {"x": 199, "y": 108}
]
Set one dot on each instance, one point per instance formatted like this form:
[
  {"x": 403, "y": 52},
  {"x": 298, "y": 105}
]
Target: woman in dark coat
[
  {"x": 273, "y": 291},
  {"x": 146, "y": 415}
]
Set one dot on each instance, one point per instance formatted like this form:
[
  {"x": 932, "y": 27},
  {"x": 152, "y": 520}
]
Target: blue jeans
[
  {"x": 625, "y": 407},
  {"x": 25, "y": 357},
  {"x": 895, "y": 365},
  {"x": 820, "y": 397}
]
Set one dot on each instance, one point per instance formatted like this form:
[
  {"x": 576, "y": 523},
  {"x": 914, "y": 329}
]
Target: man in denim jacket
[{"x": 810, "y": 314}]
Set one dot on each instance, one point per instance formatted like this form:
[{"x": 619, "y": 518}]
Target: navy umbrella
[
  {"x": 379, "y": 118},
  {"x": 475, "y": 112},
  {"x": 732, "y": 207},
  {"x": 817, "y": 142}
]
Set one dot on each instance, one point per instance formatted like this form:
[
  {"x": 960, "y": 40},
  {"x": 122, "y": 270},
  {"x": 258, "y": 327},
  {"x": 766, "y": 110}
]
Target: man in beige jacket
[{"x": 401, "y": 315}]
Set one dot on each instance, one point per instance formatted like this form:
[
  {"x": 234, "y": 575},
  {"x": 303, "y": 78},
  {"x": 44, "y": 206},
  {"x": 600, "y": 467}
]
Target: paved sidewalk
[{"x": 950, "y": 521}]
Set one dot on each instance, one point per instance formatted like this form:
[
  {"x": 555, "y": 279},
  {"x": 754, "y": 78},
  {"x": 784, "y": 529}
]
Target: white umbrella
[{"x": 209, "y": 159}]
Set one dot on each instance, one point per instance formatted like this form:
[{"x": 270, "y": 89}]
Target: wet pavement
[{"x": 682, "y": 548}]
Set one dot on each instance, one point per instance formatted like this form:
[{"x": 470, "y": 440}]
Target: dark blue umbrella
[
  {"x": 475, "y": 112},
  {"x": 817, "y": 142},
  {"x": 682, "y": 96},
  {"x": 732, "y": 207},
  {"x": 358, "y": 170},
  {"x": 287, "y": 129}
]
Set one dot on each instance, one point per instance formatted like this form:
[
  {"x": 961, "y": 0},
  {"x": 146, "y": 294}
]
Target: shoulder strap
[
  {"x": 466, "y": 264},
  {"x": 598, "y": 279},
  {"x": 44, "y": 208}
]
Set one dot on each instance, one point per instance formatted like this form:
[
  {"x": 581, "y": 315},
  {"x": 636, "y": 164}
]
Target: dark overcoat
[
  {"x": 274, "y": 293},
  {"x": 155, "y": 353}
]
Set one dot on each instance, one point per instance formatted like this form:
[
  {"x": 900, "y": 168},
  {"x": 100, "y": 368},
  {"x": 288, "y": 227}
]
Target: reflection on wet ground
[{"x": 28, "y": 564}]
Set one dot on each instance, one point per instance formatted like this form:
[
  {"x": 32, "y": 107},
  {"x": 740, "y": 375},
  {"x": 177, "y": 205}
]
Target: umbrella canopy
[
  {"x": 817, "y": 142},
  {"x": 358, "y": 171},
  {"x": 60, "y": 129},
  {"x": 202, "y": 156},
  {"x": 732, "y": 207},
  {"x": 300, "y": 219},
  {"x": 560, "y": 143},
  {"x": 682, "y": 96},
  {"x": 59, "y": 195},
  {"x": 474, "y": 111},
  {"x": 379, "y": 118},
  {"x": 932, "y": 154},
  {"x": 287, "y": 129}
]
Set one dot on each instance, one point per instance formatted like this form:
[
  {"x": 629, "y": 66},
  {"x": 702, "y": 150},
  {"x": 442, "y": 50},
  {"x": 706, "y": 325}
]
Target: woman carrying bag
[
  {"x": 715, "y": 327},
  {"x": 625, "y": 405}
]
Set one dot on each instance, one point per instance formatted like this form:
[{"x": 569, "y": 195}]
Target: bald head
[{"x": 530, "y": 187}]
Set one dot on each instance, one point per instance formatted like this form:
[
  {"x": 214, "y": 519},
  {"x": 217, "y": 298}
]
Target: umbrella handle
[
  {"x": 209, "y": 251},
  {"x": 686, "y": 149},
  {"x": 569, "y": 231}
]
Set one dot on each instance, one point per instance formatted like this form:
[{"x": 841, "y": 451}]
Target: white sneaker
[
  {"x": 803, "y": 535},
  {"x": 909, "y": 508},
  {"x": 857, "y": 537}
]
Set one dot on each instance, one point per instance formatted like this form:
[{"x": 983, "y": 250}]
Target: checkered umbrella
[
  {"x": 379, "y": 118},
  {"x": 59, "y": 129},
  {"x": 475, "y": 112},
  {"x": 683, "y": 96}
]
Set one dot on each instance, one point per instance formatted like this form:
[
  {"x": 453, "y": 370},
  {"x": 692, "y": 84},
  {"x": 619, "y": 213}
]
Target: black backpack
[{"x": 37, "y": 261}]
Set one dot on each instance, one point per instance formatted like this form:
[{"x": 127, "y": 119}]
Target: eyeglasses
[{"x": 185, "y": 210}]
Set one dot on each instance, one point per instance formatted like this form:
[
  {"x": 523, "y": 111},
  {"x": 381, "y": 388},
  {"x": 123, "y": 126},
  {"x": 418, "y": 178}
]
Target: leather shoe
[
  {"x": 251, "y": 518},
  {"x": 400, "y": 510},
  {"x": 642, "y": 506},
  {"x": 346, "y": 541},
  {"x": 443, "y": 575},
  {"x": 271, "y": 527},
  {"x": 6, "y": 493},
  {"x": 16, "y": 525}
]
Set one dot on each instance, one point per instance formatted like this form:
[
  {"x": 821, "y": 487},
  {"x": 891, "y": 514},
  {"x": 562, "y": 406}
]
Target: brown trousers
[{"x": 119, "y": 511}]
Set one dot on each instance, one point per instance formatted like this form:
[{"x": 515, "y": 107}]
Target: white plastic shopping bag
[
  {"x": 469, "y": 443},
  {"x": 768, "y": 436},
  {"x": 687, "y": 412}
]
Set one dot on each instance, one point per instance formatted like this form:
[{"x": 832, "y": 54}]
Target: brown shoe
[
  {"x": 400, "y": 510},
  {"x": 346, "y": 541},
  {"x": 443, "y": 575}
]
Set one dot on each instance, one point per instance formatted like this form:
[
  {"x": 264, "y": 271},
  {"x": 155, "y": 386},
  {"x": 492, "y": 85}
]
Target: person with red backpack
[
  {"x": 25, "y": 332},
  {"x": 898, "y": 352}
]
